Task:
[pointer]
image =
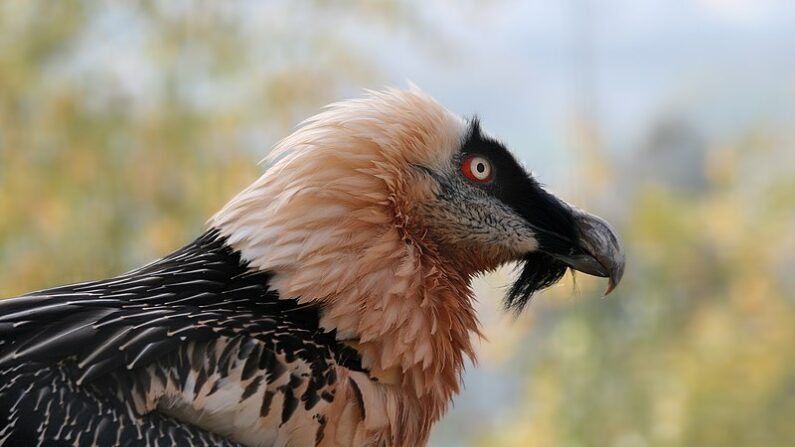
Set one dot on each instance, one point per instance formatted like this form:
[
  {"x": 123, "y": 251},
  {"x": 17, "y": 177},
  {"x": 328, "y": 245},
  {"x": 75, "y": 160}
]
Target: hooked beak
[{"x": 597, "y": 252}]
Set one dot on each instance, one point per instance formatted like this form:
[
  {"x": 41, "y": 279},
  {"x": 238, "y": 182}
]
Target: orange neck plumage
[{"x": 333, "y": 219}]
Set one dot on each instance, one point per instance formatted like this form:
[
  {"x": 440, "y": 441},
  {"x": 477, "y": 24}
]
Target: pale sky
[{"x": 726, "y": 65}]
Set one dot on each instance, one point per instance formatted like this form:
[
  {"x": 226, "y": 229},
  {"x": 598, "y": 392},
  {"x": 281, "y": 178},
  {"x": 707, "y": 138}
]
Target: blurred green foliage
[{"x": 105, "y": 166}]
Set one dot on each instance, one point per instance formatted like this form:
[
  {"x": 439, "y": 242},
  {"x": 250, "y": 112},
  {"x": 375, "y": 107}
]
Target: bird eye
[{"x": 477, "y": 169}]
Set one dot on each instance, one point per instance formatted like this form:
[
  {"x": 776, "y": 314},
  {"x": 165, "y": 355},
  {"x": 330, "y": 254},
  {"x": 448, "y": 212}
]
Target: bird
[{"x": 329, "y": 303}]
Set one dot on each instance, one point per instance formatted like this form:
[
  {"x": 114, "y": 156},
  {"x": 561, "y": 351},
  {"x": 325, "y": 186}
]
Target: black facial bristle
[{"x": 538, "y": 271}]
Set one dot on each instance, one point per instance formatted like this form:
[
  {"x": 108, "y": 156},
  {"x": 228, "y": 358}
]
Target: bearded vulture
[{"x": 327, "y": 304}]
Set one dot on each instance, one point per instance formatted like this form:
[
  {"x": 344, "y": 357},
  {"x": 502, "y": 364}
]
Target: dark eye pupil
[{"x": 481, "y": 168}]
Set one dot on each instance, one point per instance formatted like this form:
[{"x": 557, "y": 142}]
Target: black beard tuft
[{"x": 539, "y": 271}]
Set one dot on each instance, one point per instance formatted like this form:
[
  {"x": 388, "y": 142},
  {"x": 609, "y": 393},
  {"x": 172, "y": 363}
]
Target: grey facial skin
[{"x": 469, "y": 216}]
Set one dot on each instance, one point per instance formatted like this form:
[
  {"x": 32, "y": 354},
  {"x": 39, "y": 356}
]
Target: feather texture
[{"x": 193, "y": 336}]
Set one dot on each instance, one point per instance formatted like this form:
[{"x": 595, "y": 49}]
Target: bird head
[
  {"x": 486, "y": 210},
  {"x": 367, "y": 182}
]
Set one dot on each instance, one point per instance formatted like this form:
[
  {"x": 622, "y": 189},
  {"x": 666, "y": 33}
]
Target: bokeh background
[{"x": 124, "y": 126}]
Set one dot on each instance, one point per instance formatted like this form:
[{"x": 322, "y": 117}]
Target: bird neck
[
  {"x": 384, "y": 287},
  {"x": 412, "y": 325}
]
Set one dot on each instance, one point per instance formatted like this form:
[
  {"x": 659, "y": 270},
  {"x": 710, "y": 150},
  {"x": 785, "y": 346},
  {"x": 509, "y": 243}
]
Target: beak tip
[
  {"x": 602, "y": 242},
  {"x": 616, "y": 273},
  {"x": 611, "y": 285}
]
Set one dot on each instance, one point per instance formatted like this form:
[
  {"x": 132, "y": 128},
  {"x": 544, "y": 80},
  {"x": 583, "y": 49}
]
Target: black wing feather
[{"x": 72, "y": 341}]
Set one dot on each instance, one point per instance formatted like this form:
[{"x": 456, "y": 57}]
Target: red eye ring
[{"x": 477, "y": 169}]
